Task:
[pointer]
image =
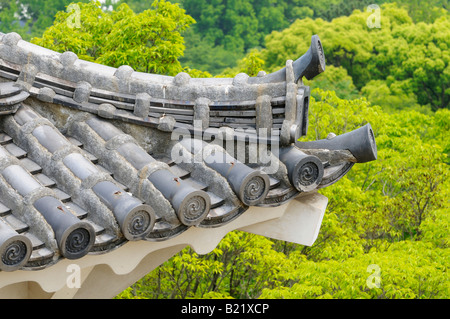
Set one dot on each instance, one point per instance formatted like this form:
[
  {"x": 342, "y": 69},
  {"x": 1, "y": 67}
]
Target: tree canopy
[
  {"x": 30, "y": 17},
  {"x": 149, "y": 41},
  {"x": 225, "y": 30},
  {"x": 406, "y": 61}
]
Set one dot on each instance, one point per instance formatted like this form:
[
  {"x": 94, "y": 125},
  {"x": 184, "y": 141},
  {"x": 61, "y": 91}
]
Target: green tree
[
  {"x": 335, "y": 79},
  {"x": 228, "y": 29},
  {"x": 402, "y": 59},
  {"x": 251, "y": 64},
  {"x": 433, "y": 9},
  {"x": 201, "y": 54},
  {"x": 8, "y": 21},
  {"x": 328, "y": 10},
  {"x": 150, "y": 41},
  {"x": 29, "y": 18}
]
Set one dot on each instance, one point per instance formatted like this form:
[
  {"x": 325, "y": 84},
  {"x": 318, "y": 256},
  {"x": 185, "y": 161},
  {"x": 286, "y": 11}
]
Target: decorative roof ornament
[{"x": 92, "y": 157}]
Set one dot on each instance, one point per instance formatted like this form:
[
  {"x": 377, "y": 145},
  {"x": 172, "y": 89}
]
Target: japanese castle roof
[{"x": 93, "y": 156}]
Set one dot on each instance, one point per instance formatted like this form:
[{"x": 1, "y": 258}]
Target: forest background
[{"x": 386, "y": 230}]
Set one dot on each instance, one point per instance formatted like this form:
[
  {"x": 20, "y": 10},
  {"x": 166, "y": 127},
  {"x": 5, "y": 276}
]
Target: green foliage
[
  {"x": 329, "y": 10},
  {"x": 407, "y": 63},
  {"x": 290, "y": 10},
  {"x": 229, "y": 28},
  {"x": 394, "y": 97},
  {"x": 335, "y": 79},
  {"x": 137, "y": 5},
  {"x": 239, "y": 267},
  {"x": 237, "y": 26},
  {"x": 29, "y": 18},
  {"x": 405, "y": 270},
  {"x": 240, "y": 25},
  {"x": 251, "y": 64},
  {"x": 150, "y": 41},
  {"x": 201, "y": 54},
  {"x": 433, "y": 9},
  {"x": 226, "y": 30},
  {"x": 8, "y": 22},
  {"x": 406, "y": 181}
]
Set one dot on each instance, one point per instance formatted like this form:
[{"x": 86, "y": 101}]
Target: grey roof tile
[
  {"x": 74, "y": 141},
  {"x": 4, "y": 209},
  {"x": 222, "y": 215},
  {"x": 15, "y": 150},
  {"x": 40, "y": 258},
  {"x": 274, "y": 183},
  {"x": 97, "y": 228},
  {"x": 15, "y": 223},
  {"x": 35, "y": 242},
  {"x": 45, "y": 180},
  {"x": 77, "y": 210},
  {"x": 196, "y": 184},
  {"x": 90, "y": 156},
  {"x": 103, "y": 169},
  {"x": 30, "y": 166},
  {"x": 5, "y": 139},
  {"x": 103, "y": 241},
  {"x": 216, "y": 201},
  {"x": 122, "y": 186},
  {"x": 64, "y": 197},
  {"x": 179, "y": 172}
]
